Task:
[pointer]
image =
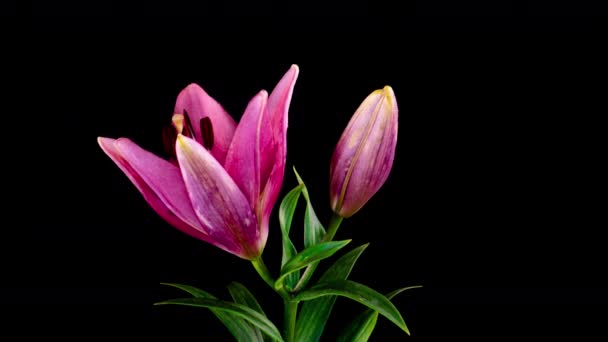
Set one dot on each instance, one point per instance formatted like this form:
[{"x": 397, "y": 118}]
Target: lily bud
[{"x": 364, "y": 156}]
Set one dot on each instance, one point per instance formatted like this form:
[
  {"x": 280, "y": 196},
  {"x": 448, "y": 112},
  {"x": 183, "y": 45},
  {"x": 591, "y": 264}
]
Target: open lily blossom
[{"x": 225, "y": 179}]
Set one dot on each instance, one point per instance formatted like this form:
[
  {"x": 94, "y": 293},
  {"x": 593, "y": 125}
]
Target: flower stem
[
  {"x": 290, "y": 314},
  {"x": 334, "y": 224},
  {"x": 259, "y": 266}
]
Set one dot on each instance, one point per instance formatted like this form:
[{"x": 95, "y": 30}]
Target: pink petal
[
  {"x": 273, "y": 144},
  {"x": 243, "y": 158},
  {"x": 256, "y": 158},
  {"x": 217, "y": 201},
  {"x": 159, "y": 182},
  {"x": 267, "y": 202},
  {"x": 200, "y": 105}
]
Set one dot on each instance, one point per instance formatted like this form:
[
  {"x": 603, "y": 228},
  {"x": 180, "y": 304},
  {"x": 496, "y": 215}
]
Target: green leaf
[
  {"x": 361, "y": 328},
  {"x": 309, "y": 255},
  {"x": 357, "y": 292},
  {"x": 239, "y": 310},
  {"x": 313, "y": 229},
  {"x": 392, "y": 294},
  {"x": 196, "y": 292},
  {"x": 241, "y": 295},
  {"x": 315, "y": 313},
  {"x": 286, "y": 210},
  {"x": 238, "y": 327}
]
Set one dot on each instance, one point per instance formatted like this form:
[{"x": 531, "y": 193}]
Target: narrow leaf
[
  {"x": 361, "y": 328},
  {"x": 196, "y": 292},
  {"x": 357, "y": 292},
  {"x": 313, "y": 229},
  {"x": 238, "y": 327},
  {"x": 309, "y": 255},
  {"x": 392, "y": 294},
  {"x": 288, "y": 206},
  {"x": 315, "y": 313},
  {"x": 239, "y": 310},
  {"x": 286, "y": 210},
  {"x": 241, "y": 295}
]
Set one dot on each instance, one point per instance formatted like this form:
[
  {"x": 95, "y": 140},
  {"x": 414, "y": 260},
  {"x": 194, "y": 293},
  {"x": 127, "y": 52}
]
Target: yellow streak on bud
[
  {"x": 387, "y": 92},
  {"x": 356, "y": 133}
]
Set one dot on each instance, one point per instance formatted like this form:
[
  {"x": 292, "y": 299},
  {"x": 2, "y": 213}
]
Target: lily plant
[{"x": 221, "y": 182}]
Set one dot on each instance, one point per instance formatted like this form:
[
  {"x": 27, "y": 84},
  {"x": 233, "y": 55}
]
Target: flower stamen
[{"x": 207, "y": 133}]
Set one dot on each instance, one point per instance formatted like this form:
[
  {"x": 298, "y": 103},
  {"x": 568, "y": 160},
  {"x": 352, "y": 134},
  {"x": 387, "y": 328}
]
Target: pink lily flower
[{"x": 225, "y": 179}]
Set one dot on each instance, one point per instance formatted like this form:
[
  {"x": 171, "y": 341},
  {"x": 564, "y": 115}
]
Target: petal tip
[
  {"x": 191, "y": 90},
  {"x": 192, "y": 86},
  {"x": 294, "y": 70},
  {"x": 106, "y": 144},
  {"x": 389, "y": 94},
  {"x": 263, "y": 93},
  {"x": 104, "y": 140}
]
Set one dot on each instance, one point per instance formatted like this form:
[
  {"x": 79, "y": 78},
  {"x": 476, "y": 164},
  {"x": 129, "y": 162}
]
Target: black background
[{"x": 493, "y": 203}]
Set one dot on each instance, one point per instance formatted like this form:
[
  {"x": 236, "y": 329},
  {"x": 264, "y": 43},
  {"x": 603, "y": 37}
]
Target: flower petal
[
  {"x": 199, "y": 105},
  {"x": 217, "y": 201},
  {"x": 158, "y": 181},
  {"x": 243, "y": 158},
  {"x": 256, "y": 158},
  {"x": 273, "y": 144}
]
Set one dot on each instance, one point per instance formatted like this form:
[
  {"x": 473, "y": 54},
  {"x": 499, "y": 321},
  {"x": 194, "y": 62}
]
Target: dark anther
[
  {"x": 169, "y": 137},
  {"x": 207, "y": 133},
  {"x": 188, "y": 131}
]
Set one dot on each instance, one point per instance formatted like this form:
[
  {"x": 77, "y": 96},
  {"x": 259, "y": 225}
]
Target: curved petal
[
  {"x": 217, "y": 201},
  {"x": 244, "y": 156},
  {"x": 198, "y": 104},
  {"x": 273, "y": 142},
  {"x": 166, "y": 193},
  {"x": 273, "y": 187}
]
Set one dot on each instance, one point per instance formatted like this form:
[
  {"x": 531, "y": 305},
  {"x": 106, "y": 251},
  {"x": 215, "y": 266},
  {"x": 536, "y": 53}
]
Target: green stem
[
  {"x": 290, "y": 314},
  {"x": 334, "y": 224},
  {"x": 259, "y": 266}
]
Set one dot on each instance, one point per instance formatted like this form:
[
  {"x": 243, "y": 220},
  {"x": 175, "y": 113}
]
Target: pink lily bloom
[
  {"x": 225, "y": 179},
  {"x": 364, "y": 155}
]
